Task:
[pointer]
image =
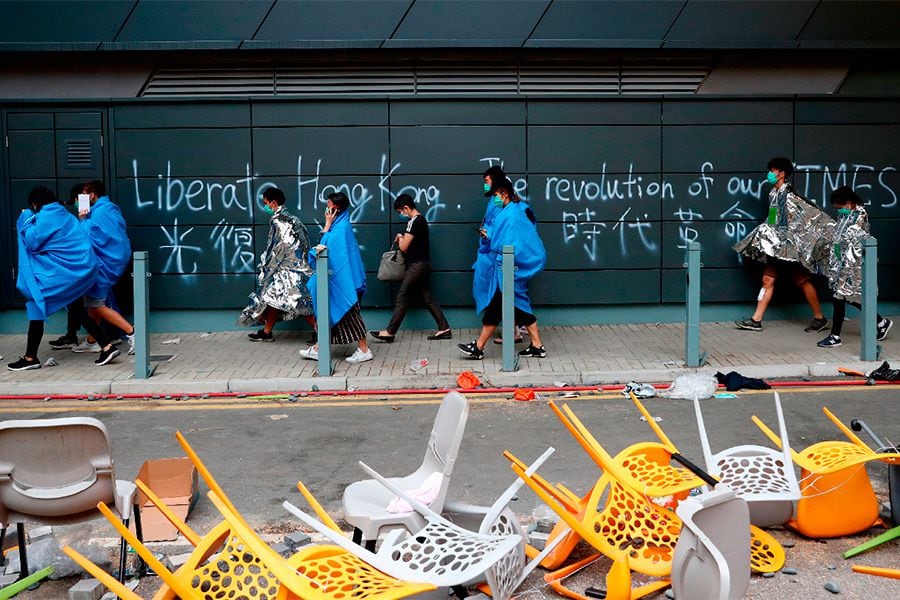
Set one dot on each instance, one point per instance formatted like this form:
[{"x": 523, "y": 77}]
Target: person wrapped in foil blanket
[
  {"x": 793, "y": 232},
  {"x": 845, "y": 259},
  {"x": 283, "y": 272}
]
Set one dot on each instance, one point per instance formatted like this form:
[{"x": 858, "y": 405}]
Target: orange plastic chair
[{"x": 837, "y": 496}]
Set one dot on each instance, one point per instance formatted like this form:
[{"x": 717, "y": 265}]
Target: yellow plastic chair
[{"x": 837, "y": 498}]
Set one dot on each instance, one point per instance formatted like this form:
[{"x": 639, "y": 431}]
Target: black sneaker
[
  {"x": 63, "y": 342},
  {"x": 471, "y": 350},
  {"x": 832, "y": 341},
  {"x": 261, "y": 336},
  {"x": 883, "y": 328},
  {"x": 23, "y": 364},
  {"x": 106, "y": 356},
  {"x": 817, "y": 325},
  {"x": 533, "y": 351},
  {"x": 749, "y": 324}
]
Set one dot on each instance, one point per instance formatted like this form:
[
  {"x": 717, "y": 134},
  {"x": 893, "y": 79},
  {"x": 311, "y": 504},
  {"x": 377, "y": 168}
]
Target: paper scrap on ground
[
  {"x": 172, "y": 341},
  {"x": 278, "y": 417}
]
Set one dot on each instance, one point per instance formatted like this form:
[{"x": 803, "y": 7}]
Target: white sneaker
[
  {"x": 86, "y": 346},
  {"x": 309, "y": 353},
  {"x": 130, "y": 339},
  {"x": 359, "y": 356}
]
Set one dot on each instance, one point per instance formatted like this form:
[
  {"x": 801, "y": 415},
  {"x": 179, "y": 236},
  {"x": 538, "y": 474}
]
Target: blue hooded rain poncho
[
  {"x": 106, "y": 228},
  {"x": 56, "y": 263},
  {"x": 512, "y": 226},
  {"x": 347, "y": 277}
]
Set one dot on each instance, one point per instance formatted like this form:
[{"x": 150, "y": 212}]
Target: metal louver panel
[
  {"x": 345, "y": 80},
  {"x": 211, "y": 82},
  {"x": 466, "y": 80},
  {"x": 668, "y": 80},
  {"x": 570, "y": 80},
  {"x": 79, "y": 154}
]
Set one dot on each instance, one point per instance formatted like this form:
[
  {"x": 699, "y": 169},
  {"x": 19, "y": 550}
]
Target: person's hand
[
  {"x": 330, "y": 214},
  {"x": 319, "y": 248},
  {"x": 82, "y": 214},
  {"x": 483, "y": 232},
  {"x": 397, "y": 238}
]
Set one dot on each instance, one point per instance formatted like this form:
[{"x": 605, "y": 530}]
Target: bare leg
[
  {"x": 809, "y": 290},
  {"x": 112, "y": 317},
  {"x": 363, "y": 345},
  {"x": 768, "y": 288},
  {"x": 535, "y": 336},
  {"x": 486, "y": 332},
  {"x": 270, "y": 317}
]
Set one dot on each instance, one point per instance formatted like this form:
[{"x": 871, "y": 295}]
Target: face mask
[
  {"x": 487, "y": 187},
  {"x": 498, "y": 201},
  {"x": 771, "y": 177},
  {"x": 403, "y": 216},
  {"x": 268, "y": 209},
  {"x": 844, "y": 211}
]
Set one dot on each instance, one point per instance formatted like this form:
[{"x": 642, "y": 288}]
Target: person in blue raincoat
[
  {"x": 512, "y": 225},
  {"x": 105, "y": 226},
  {"x": 56, "y": 266},
  {"x": 346, "y": 281}
]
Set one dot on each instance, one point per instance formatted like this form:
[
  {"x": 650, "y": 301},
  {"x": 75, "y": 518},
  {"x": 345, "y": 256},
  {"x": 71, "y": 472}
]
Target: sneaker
[
  {"x": 130, "y": 339},
  {"x": 261, "y": 336},
  {"x": 106, "y": 356},
  {"x": 817, "y": 325},
  {"x": 63, "y": 342},
  {"x": 86, "y": 346},
  {"x": 749, "y": 324},
  {"x": 832, "y": 341},
  {"x": 309, "y": 353},
  {"x": 471, "y": 350},
  {"x": 359, "y": 356},
  {"x": 883, "y": 328},
  {"x": 23, "y": 364},
  {"x": 533, "y": 351}
]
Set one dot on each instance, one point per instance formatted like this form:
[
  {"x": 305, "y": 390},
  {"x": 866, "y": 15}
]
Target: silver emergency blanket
[
  {"x": 283, "y": 272},
  {"x": 797, "y": 235},
  {"x": 845, "y": 260}
]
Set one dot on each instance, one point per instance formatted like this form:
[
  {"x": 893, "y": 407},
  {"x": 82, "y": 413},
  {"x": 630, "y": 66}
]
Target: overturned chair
[{"x": 55, "y": 471}]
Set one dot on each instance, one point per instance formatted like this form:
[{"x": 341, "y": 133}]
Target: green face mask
[
  {"x": 487, "y": 187},
  {"x": 498, "y": 201},
  {"x": 844, "y": 212},
  {"x": 268, "y": 209},
  {"x": 771, "y": 177}
]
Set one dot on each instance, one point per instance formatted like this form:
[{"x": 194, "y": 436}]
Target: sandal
[
  {"x": 388, "y": 339},
  {"x": 442, "y": 335},
  {"x": 499, "y": 340}
]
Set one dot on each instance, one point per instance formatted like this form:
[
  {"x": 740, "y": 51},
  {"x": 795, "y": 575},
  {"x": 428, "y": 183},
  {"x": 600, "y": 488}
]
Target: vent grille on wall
[
  {"x": 79, "y": 154},
  {"x": 421, "y": 80}
]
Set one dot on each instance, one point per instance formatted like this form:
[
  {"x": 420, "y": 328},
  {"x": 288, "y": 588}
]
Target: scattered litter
[
  {"x": 418, "y": 364},
  {"x": 656, "y": 419},
  {"x": 789, "y": 571},
  {"x": 832, "y": 587},
  {"x": 726, "y": 395},
  {"x": 50, "y": 362},
  {"x": 641, "y": 390},
  {"x": 560, "y": 384},
  {"x": 569, "y": 394},
  {"x": 691, "y": 385},
  {"x": 206, "y": 334},
  {"x": 353, "y": 388},
  {"x": 292, "y": 398},
  {"x": 304, "y": 394},
  {"x": 735, "y": 381},
  {"x": 884, "y": 373},
  {"x": 242, "y": 395},
  {"x": 315, "y": 388},
  {"x": 673, "y": 363},
  {"x": 278, "y": 417},
  {"x": 168, "y": 397},
  {"x": 523, "y": 394},
  {"x": 467, "y": 380},
  {"x": 670, "y": 594},
  {"x": 396, "y": 407},
  {"x": 170, "y": 342}
]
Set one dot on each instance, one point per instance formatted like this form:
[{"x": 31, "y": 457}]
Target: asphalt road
[{"x": 259, "y": 448}]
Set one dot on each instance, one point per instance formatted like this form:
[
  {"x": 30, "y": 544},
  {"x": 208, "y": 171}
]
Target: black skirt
[{"x": 350, "y": 329}]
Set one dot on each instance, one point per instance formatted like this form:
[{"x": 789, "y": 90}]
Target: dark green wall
[{"x": 617, "y": 185}]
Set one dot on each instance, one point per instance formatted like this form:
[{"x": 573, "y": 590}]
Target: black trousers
[
  {"x": 35, "y": 335},
  {"x": 494, "y": 313},
  {"x": 840, "y": 310},
  {"x": 416, "y": 284}
]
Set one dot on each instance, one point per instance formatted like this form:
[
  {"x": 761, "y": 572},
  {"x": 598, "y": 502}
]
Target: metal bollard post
[
  {"x": 510, "y": 359},
  {"x": 869, "y": 350},
  {"x": 692, "y": 354},
  {"x": 142, "y": 368},
  {"x": 323, "y": 323}
]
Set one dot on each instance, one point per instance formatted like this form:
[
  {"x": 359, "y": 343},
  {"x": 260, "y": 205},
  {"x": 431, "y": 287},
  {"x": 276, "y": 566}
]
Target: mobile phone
[
  {"x": 478, "y": 231},
  {"x": 84, "y": 203}
]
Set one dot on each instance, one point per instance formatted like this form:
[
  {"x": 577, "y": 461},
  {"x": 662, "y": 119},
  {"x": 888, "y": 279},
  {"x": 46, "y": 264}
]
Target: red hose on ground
[{"x": 387, "y": 392}]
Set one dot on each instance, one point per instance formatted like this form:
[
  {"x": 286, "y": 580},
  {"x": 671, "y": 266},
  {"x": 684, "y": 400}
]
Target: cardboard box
[{"x": 174, "y": 480}]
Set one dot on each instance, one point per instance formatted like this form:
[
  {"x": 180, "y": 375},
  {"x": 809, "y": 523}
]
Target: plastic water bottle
[{"x": 418, "y": 364}]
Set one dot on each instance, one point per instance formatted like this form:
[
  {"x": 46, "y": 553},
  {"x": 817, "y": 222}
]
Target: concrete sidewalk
[{"x": 578, "y": 355}]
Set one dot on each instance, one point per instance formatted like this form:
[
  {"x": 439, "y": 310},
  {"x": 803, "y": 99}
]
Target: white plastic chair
[
  {"x": 764, "y": 477},
  {"x": 365, "y": 502},
  {"x": 712, "y": 556},
  {"x": 55, "y": 471},
  {"x": 443, "y": 553}
]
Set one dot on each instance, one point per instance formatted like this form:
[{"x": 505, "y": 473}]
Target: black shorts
[{"x": 494, "y": 312}]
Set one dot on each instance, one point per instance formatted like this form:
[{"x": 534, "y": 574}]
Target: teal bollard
[
  {"x": 141, "y": 274},
  {"x": 323, "y": 323},
  {"x": 693, "y": 356},
  {"x": 510, "y": 359},
  {"x": 869, "y": 350}
]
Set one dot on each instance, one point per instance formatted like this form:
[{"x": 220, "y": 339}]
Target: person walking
[
  {"x": 414, "y": 244},
  {"x": 283, "y": 273},
  {"x": 845, "y": 264},
  {"x": 785, "y": 243},
  {"x": 346, "y": 281},
  {"x": 512, "y": 226},
  {"x": 56, "y": 266}
]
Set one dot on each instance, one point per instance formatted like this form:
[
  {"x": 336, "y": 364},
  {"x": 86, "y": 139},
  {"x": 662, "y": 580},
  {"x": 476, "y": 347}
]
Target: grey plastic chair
[
  {"x": 365, "y": 502},
  {"x": 55, "y": 471},
  {"x": 712, "y": 556}
]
